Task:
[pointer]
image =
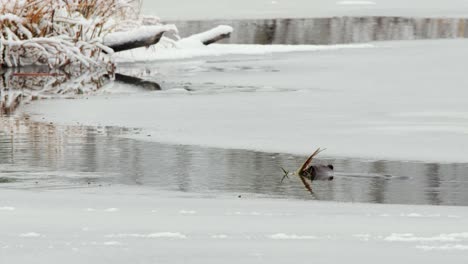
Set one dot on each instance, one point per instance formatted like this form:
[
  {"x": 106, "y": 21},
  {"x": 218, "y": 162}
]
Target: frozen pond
[
  {"x": 48, "y": 156},
  {"x": 204, "y": 95},
  {"x": 180, "y": 160}
]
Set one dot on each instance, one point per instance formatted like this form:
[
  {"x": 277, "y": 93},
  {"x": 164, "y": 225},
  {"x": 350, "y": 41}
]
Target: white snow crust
[
  {"x": 284, "y": 231},
  {"x": 192, "y": 48},
  {"x": 212, "y": 33},
  {"x": 140, "y": 33}
]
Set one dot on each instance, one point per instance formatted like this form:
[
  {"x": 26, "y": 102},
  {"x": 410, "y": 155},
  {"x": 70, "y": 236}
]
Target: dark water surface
[
  {"x": 35, "y": 155},
  {"x": 333, "y": 30}
]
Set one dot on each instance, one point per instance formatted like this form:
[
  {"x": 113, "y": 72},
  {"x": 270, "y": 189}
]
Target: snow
[
  {"x": 413, "y": 238},
  {"x": 282, "y": 236},
  {"x": 221, "y": 236},
  {"x": 360, "y": 103},
  {"x": 330, "y": 232},
  {"x": 210, "y": 34},
  {"x": 187, "y": 212},
  {"x": 152, "y": 235},
  {"x": 110, "y": 210},
  {"x": 30, "y": 234},
  {"x": 355, "y": 3},
  {"x": 187, "y": 49},
  {"x": 444, "y": 247},
  {"x": 11, "y": 17},
  {"x": 143, "y": 32}
]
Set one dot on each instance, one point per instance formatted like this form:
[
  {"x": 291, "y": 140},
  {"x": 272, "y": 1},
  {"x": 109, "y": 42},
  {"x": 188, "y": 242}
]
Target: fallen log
[
  {"x": 141, "y": 37},
  {"x": 146, "y": 85},
  {"x": 211, "y": 36}
]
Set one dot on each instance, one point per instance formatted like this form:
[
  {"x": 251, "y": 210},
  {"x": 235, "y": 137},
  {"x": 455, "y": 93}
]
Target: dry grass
[{"x": 59, "y": 32}]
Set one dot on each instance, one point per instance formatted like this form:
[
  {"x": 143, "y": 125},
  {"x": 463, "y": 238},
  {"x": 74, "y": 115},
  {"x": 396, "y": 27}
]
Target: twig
[
  {"x": 301, "y": 170},
  {"x": 306, "y": 184}
]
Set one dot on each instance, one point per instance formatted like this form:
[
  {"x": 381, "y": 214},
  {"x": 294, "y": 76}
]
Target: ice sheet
[
  {"x": 59, "y": 227},
  {"x": 397, "y": 101}
]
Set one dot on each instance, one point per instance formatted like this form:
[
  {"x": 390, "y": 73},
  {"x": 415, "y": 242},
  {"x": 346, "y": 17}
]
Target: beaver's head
[{"x": 321, "y": 172}]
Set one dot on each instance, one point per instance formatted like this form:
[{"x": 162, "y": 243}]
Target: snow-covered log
[
  {"x": 144, "y": 36},
  {"x": 213, "y": 35}
]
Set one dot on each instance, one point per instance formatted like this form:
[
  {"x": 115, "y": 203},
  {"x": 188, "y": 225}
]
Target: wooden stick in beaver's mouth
[{"x": 301, "y": 171}]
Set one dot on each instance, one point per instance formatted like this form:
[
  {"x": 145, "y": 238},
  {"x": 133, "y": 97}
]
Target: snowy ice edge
[{"x": 190, "y": 51}]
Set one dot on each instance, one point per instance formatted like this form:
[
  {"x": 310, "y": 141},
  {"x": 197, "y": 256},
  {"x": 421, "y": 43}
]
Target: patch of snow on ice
[
  {"x": 459, "y": 235},
  {"x": 355, "y": 3},
  {"x": 190, "y": 51},
  {"x": 111, "y": 210},
  {"x": 187, "y": 212},
  {"x": 440, "y": 238},
  {"x": 444, "y": 247},
  {"x": 220, "y": 236},
  {"x": 112, "y": 243},
  {"x": 7, "y": 208},
  {"x": 152, "y": 235},
  {"x": 282, "y": 236},
  {"x": 90, "y": 209},
  {"x": 414, "y": 215},
  {"x": 30, "y": 234}
]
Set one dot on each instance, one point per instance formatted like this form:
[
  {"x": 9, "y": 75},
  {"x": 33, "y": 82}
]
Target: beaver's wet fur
[{"x": 319, "y": 173}]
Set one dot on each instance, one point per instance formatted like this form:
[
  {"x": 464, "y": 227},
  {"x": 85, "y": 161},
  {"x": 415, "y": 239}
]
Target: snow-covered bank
[
  {"x": 138, "y": 225},
  {"x": 242, "y": 9},
  {"x": 400, "y": 101}
]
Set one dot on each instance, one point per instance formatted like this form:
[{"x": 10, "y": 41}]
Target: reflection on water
[
  {"x": 333, "y": 30},
  {"x": 25, "y": 84},
  {"x": 36, "y": 155}
]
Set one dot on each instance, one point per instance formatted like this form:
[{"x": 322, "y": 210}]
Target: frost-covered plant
[{"x": 60, "y": 33}]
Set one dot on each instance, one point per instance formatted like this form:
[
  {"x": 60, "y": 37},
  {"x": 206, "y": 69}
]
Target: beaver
[
  {"x": 312, "y": 172},
  {"x": 319, "y": 173}
]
